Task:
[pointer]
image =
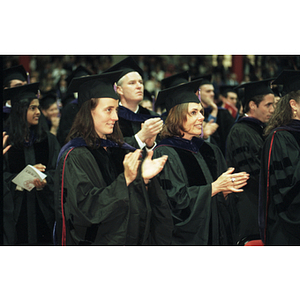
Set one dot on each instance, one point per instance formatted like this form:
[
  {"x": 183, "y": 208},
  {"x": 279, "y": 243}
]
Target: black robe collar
[
  {"x": 251, "y": 120},
  {"x": 142, "y": 115},
  {"x": 80, "y": 142},
  {"x": 255, "y": 124},
  {"x": 294, "y": 125},
  {"x": 193, "y": 145}
]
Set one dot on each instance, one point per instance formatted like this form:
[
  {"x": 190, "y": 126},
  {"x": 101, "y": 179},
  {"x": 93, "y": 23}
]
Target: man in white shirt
[{"x": 139, "y": 125}]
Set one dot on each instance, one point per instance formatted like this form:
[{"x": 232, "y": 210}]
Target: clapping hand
[
  {"x": 131, "y": 164},
  {"x": 151, "y": 167}
]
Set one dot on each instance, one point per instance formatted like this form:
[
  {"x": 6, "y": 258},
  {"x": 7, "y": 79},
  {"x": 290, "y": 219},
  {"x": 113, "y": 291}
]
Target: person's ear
[
  {"x": 293, "y": 103},
  {"x": 119, "y": 90},
  {"x": 252, "y": 105}
]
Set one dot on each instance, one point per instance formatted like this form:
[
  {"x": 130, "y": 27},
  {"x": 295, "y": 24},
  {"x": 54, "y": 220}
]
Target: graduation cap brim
[
  {"x": 127, "y": 65},
  {"x": 255, "y": 88},
  {"x": 80, "y": 71},
  {"x": 184, "y": 93},
  {"x": 94, "y": 86},
  {"x": 27, "y": 91},
  {"x": 17, "y": 72},
  {"x": 290, "y": 79},
  {"x": 206, "y": 78},
  {"x": 174, "y": 80}
]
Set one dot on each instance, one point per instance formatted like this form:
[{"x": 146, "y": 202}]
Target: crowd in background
[{"x": 52, "y": 70}]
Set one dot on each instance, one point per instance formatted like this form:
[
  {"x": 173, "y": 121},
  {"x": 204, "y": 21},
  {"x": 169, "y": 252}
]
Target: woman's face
[
  {"x": 194, "y": 120},
  {"x": 52, "y": 111},
  {"x": 33, "y": 112},
  {"x": 105, "y": 116}
]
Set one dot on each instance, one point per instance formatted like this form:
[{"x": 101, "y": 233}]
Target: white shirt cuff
[{"x": 141, "y": 144}]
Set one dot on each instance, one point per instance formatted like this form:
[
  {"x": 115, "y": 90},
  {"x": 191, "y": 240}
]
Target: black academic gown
[
  {"x": 33, "y": 211},
  {"x": 280, "y": 186},
  {"x": 244, "y": 145},
  {"x": 97, "y": 208},
  {"x": 192, "y": 166},
  {"x": 130, "y": 122}
]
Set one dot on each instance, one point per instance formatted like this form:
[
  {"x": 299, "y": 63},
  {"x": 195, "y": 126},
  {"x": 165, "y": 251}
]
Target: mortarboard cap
[
  {"x": 174, "y": 80},
  {"x": 78, "y": 72},
  {"x": 255, "y": 88},
  {"x": 18, "y": 93},
  {"x": 290, "y": 79},
  {"x": 127, "y": 65},
  {"x": 183, "y": 93},
  {"x": 206, "y": 79},
  {"x": 94, "y": 86},
  {"x": 17, "y": 72}
]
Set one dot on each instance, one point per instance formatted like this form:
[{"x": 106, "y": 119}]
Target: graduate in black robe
[
  {"x": 243, "y": 152},
  {"x": 33, "y": 211},
  {"x": 195, "y": 177},
  {"x": 279, "y": 200},
  {"x": 139, "y": 125},
  {"x": 102, "y": 197}
]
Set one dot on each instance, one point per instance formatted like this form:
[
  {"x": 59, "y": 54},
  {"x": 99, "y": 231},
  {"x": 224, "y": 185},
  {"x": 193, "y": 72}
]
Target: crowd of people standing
[{"x": 211, "y": 161}]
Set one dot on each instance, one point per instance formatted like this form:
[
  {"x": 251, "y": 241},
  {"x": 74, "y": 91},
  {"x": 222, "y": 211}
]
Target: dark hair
[
  {"x": 174, "y": 122},
  {"x": 256, "y": 100},
  {"x": 283, "y": 112},
  {"x": 47, "y": 103},
  {"x": 18, "y": 128},
  {"x": 8, "y": 84},
  {"x": 83, "y": 126}
]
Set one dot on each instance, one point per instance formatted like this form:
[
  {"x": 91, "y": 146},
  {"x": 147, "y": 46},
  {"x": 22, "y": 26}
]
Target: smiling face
[
  {"x": 194, "y": 120},
  {"x": 104, "y": 116},
  {"x": 131, "y": 87},
  {"x": 33, "y": 112}
]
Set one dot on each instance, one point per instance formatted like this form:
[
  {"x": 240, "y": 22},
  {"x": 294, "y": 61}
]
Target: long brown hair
[
  {"x": 83, "y": 126},
  {"x": 174, "y": 122},
  {"x": 283, "y": 112}
]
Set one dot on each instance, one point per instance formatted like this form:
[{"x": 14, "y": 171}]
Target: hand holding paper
[{"x": 29, "y": 178}]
